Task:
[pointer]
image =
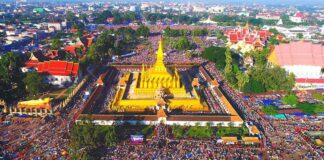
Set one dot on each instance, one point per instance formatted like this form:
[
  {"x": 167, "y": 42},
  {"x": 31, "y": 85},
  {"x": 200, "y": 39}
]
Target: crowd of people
[
  {"x": 41, "y": 138},
  {"x": 213, "y": 102},
  {"x": 146, "y": 55},
  {"x": 183, "y": 149},
  {"x": 280, "y": 136}
]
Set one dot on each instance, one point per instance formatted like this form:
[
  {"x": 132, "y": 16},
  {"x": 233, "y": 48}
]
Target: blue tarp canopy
[
  {"x": 279, "y": 116},
  {"x": 270, "y": 102}
]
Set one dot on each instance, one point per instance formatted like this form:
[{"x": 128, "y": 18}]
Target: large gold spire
[{"x": 159, "y": 65}]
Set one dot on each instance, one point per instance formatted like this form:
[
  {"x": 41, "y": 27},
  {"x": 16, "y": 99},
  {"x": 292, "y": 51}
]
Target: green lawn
[
  {"x": 200, "y": 132},
  {"x": 232, "y": 131},
  {"x": 311, "y": 108},
  {"x": 207, "y": 132},
  {"x": 69, "y": 90}
]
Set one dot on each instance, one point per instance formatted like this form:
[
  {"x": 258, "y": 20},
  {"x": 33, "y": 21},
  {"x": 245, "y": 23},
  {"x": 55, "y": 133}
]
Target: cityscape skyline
[{"x": 239, "y": 2}]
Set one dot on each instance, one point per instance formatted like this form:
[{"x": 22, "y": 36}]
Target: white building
[
  {"x": 298, "y": 18},
  {"x": 56, "y": 25},
  {"x": 304, "y": 59},
  {"x": 267, "y": 16},
  {"x": 292, "y": 33},
  {"x": 216, "y": 9}
]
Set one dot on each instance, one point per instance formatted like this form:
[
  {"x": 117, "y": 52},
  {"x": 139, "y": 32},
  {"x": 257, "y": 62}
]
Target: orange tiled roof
[
  {"x": 161, "y": 114},
  {"x": 58, "y": 68}
]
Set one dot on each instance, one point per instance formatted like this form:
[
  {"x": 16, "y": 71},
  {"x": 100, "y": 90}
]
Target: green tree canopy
[
  {"x": 143, "y": 31},
  {"x": 90, "y": 137},
  {"x": 216, "y": 55},
  {"x": 33, "y": 83},
  {"x": 183, "y": 43},
  {"x": 269, "y": 110},
  {"x": 199, "y": 32},
  {"x": 56, "y": 44},
  {"x": 242, "y": 79},
  {"x": 290, "y": 99},
  {"x": 101, "y": 18},
  {"x": 228, "y": 71},
  {"x": 11, "y": 85},
  {"x": 318, "y": 96},
  {"x": 103, "y": 48},
  {"x": 311, "y": 108},
  {"x": 178, "y": 131},
  {"x": 300, "y": 36}
]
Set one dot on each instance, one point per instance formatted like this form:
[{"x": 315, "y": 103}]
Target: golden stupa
[{"x": 155, "y": 86}]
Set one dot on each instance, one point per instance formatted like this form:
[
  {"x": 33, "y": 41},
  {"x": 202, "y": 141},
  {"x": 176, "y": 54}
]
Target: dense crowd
[
  {"x": 42, "y": 138},
  {"x": 280, "y": 136},
  {"x": 183, "y": 149},
  {"x": 146, "y": 55}
]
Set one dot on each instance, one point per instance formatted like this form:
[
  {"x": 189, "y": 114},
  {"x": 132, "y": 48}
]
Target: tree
[
  {"x": 199, "y": 32},
  {"x": 242, "y": 79},
  {"x": 103, "y": 48},
  {"x": 90, "y": 137},
  {"x": 290, "y": 83},
  {"x": 254, "y": 86},
  {"x": 216, "y": 55},
  {"x": 101, "y": 18},
  {"x": 11, "y": 85},
  {"x": 33, "y": 83},
  {"x": 318, "y": 96},
  {"x": 228, "y": 71},
  {"x": 290, "y": 99},
  {"x": 269, "y": 110},
  {"x": 71, "y": 17},
  {"x": 183, "y": 44},
  {"x": 273, "y": 40},
  {"x": 274, "y": 31},
  {"x": 56, "y": 44},
  {"x": 84, "y": 17},
  {"x": 143, "y": 31},
  {"x": 300, "y": 36}
]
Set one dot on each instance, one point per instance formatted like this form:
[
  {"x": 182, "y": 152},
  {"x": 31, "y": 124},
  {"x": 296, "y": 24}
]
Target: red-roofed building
[
  {"x": 58, "y": 73},
  {"x": 258, "y": 44},
  {"x": 281, "y": 38},
  {"x": 257, "y": 38},
  {"x": 309, "y": 83},
  {"x": 29, "y": 65},
  {"x": 72, "y": 48},
  {"x": 110, "y": 20},
  {"x": 298, "y": 18},
  {"x": 32, "y": 63}
]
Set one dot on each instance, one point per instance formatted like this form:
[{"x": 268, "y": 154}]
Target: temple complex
[
  {"x": 154, "y": 87},
  {"x": 153, "y": 94}
]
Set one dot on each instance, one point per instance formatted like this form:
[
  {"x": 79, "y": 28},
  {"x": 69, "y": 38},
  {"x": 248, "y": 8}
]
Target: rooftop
[{"x": 298, "y": 53}]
